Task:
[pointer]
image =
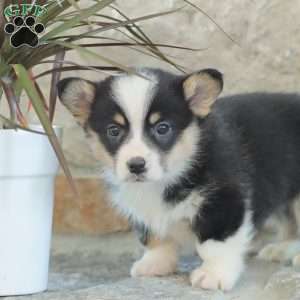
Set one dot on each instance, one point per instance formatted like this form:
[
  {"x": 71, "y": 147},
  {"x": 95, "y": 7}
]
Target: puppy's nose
[{"x": 136, "y": 165}]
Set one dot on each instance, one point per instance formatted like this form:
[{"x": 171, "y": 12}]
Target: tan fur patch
[
  {"x": 118, "y": 118},
  {"x": 202, "y": 91},
  {"x": 78, "y": 97},
  {"x": 153, "y": 242},
  {"x": 98, "y": 150},
  {"x": 157, "y": 261},
  {"x": 181, "y": 155},
  {"x": 154, "y": 117}
]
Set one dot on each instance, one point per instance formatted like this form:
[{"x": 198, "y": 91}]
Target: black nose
[{"x": 136, "y": 165}]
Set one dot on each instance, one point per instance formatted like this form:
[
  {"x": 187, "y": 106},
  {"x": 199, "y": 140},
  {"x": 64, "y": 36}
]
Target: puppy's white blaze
[
  {"x": 223, "y": 261},
  {"x": 136, "y": 146},
  {"x": 134, "y": 94}
]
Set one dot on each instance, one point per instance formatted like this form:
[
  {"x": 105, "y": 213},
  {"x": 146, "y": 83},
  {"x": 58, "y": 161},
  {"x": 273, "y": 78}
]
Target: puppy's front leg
[
  {"x": 160, "y": 258},
  {"x": 224, "y": 230}
]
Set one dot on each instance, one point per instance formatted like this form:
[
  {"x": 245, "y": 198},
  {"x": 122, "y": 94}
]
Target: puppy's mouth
[{"x": 136, "y": 178}]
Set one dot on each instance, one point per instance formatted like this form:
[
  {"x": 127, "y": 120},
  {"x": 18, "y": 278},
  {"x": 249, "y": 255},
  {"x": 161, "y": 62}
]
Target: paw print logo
[{"x": 24, "y": 32}]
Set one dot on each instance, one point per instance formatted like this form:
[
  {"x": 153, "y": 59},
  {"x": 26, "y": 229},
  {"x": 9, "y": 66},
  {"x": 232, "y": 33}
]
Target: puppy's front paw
[
  {"x": 209, "y": 278},
  {"x": 153, "y": 265}
]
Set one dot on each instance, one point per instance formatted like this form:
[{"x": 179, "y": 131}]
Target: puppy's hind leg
[
  {"x": 296, "y": 210},
  {"x": 288, "y": 244}
]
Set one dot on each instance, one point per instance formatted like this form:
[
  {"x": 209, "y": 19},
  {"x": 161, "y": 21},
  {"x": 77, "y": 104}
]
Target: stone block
[{"x": 90, "y": 213}]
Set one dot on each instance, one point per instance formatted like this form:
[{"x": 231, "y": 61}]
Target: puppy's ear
[
  {"x": 201, "y": 90},
  {"x": 77, "y": 95}
]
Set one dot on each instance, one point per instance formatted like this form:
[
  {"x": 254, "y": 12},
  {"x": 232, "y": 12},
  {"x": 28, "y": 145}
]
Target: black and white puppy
[{"x": 190, "y": 168}]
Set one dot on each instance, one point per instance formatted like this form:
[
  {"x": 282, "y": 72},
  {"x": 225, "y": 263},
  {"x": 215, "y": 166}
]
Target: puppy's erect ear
[
  {"x": 77, "y": 95},
  {"x": 201, "y": 90}
]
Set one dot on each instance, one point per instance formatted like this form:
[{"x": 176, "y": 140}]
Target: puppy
[{"x": 188, "y": 168}]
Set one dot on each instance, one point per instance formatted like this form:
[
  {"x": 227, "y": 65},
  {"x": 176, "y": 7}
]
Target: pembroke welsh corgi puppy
[{"x": 189, "y": 167}]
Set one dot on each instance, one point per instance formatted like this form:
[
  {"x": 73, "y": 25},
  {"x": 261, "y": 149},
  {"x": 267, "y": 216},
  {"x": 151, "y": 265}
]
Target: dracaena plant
[{"x": 60, "y": 17}]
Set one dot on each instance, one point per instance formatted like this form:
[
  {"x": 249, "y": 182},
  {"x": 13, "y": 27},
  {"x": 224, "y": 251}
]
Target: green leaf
[
  {"x": 74, "y": 4},
  {"x": 9, "y": 124},
  {"x": 53, "y": 10},
  {"x": 74, "y": 67},
  {"x": 4, "y": 67},
  {"x": 11, "y": 99},
  {"x": 54, "y": 80},
  {"x": 1, "y": 93},
  {"x": 138, "y": 33},
  {"x": 146, "y": 38},
  {"x": 75, "y": 20},
  {"x": 212, "y": 20},
  {"x": 38, "y": 106},
  {"x": 90, "y": 53},
  {"x": 127, "y": 22}
]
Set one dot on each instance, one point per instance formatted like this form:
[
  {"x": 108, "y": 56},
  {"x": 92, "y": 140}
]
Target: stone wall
[{"x": 265, "y": 56}]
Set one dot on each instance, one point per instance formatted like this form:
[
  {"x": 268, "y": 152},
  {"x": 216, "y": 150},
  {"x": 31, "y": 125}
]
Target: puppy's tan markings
[
  {"x": 98, "y": 149},
  {"x": 78, "y": 97},
  {"x": 159, "y": 259},
  {"x": 118, "y": 118},
  {"x": 153, "y": 242},
  {"x": 154, "y": 117},
  {"x": 201, "y": 90}
]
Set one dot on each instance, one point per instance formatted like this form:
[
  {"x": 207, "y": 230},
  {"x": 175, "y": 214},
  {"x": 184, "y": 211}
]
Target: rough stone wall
[{"x": 265, "y": 58}]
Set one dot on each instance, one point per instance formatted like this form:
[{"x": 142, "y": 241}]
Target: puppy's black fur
[{"x": 250, "y": 149}]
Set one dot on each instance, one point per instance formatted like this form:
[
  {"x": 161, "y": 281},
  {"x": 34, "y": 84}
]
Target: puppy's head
[{"x": 143, "y": 128}]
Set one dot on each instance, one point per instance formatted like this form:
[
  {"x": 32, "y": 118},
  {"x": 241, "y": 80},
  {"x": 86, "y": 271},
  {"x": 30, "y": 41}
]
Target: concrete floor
[{"x": 92, "y": 268}]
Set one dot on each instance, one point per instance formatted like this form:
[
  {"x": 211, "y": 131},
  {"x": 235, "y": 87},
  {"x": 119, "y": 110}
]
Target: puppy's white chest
[{"x": 144, "y": 203}]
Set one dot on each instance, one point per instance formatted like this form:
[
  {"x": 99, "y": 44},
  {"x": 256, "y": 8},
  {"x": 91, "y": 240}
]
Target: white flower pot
[{"x": 28, "y": 167}]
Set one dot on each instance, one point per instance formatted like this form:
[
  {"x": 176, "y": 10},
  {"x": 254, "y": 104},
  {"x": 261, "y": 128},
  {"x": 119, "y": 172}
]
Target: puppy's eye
[
  {"x": 113, "y": 130},
  {"x": 162, "y": 128}
]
